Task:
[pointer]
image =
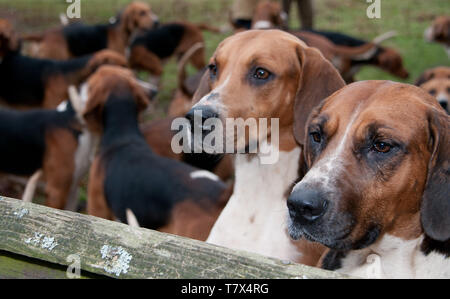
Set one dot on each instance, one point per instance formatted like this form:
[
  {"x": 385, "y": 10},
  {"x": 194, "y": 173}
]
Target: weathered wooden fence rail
[{"x": 36, "y": 241}]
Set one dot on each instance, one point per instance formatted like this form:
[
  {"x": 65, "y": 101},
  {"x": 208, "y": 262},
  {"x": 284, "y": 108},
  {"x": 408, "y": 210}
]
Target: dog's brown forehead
[
  {"x": 110, "y": 76},
  {"x": 440, "y": 84},
  {"x": 396, "y": 105},
  {"x": 272, "y": 47},
  {"x": 440, "y": 72},
  {"x": 139, "y": 6}
]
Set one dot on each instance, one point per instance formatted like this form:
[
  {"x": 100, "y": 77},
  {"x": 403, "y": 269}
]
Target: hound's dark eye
[
  {"x": 213, "y": 69},
  {"x": 142, "y": 13},
  {"x": 432, "y": 92},
  {"x": 261, "y": 74},
  {"x": 316, "y": 137},
  {"x": 448, "y": 90},
  {"x": 381, "y": 147}
]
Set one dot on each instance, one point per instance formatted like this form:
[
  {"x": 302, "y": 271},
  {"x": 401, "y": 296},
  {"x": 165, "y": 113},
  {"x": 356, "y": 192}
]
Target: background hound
[
  {"x": 77, "y": 39},
  {"x": 126, "y": 176},
  {"x": 264, "y": 74}
]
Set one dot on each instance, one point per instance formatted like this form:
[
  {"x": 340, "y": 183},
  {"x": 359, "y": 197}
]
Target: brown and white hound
[
  {"x": 439, "y": 32},
  {"x": 77, "y": 39},
  {"x": 42, "y": 141},
  {"x": 128, "y": 178},
  {"x": 348, "y": 54},
  {"x": 268, "y": 15},
  {"x": 440, "y": 72},
  {"x": 387, "y": 59},
  {"x": 436, "y": 82},
  {"x": 276, "y": 76},
  {"x": 376, "y": 188},
  {"x": 159, "y": 135},
  {"x": 149, "y": 51},
  {"x": 43, "y": 83}
]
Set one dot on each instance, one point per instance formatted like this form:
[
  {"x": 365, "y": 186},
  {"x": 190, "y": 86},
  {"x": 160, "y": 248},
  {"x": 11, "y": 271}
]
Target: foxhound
[
  {"x": 274, "y": 76},
  {"x": 376, "y": 187}
]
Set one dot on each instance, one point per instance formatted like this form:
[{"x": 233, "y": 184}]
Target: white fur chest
[
  {"x": 255, "y": 218},
  {"x": 393, "y": 257}
]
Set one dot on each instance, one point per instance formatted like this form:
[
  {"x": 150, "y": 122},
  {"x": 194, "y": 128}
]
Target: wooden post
[{"x": 37, "y": 241}]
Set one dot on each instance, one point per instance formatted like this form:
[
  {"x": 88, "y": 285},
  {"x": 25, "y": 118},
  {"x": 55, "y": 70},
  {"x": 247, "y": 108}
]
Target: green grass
[{"x": 408, "y": 17}]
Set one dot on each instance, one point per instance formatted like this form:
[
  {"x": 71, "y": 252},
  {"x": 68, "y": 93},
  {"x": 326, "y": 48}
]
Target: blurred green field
[{"x": 408, "y": 17}]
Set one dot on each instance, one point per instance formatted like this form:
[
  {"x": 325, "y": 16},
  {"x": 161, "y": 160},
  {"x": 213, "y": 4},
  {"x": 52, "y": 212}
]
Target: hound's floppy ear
[
  {"x": 442, "y": 31},
  {"x": 130, "y": 22},
  {"x": 128, "y": 19},
  {"x": 203, "y": 88},
  {"x": 319, "y": 79},
  {"x": 435, "y": 209},
  {"x": 93, "y": 111},
  {"x": 426, "y": 76}
]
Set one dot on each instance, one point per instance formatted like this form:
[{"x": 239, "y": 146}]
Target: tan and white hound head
[
  {"x": 104, "y": 82},
  {"x": 436, "y": 82},
  {"x": 439, "y": 31},
  {"x": 104, "y": 57},
  {"x": 440, "y": 89},
  {"x": 377, "y": 160},
  {"x": 265, "y": 74},
  {"x": 136, "y": 16},
  {"x": 268, "y": 15}
]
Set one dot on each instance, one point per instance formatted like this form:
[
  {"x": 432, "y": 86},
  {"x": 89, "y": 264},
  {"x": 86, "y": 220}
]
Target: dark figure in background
[{"x": 305, "y": 12}]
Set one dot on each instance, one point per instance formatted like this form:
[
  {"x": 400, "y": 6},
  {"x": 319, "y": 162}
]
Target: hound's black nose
[
  {"x": 306, "y": 205},
  {"x": 200, "y": 114}
]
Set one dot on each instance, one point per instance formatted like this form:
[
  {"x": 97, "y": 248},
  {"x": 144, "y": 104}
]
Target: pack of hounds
[{"x": 362, "y": 181}]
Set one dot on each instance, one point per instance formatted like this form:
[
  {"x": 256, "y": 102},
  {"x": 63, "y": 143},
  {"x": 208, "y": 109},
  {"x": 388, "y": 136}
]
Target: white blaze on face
[
  {"x": 329, "y": 167},
  {"x": 206, "y": 100}
]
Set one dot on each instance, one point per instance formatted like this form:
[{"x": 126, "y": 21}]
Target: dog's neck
[
  {"x": 254, "y": 218},
  {"x": 119, "y": 37},
  {"x": 394, "y": 257},
  {"x": 120, "y": 121}
]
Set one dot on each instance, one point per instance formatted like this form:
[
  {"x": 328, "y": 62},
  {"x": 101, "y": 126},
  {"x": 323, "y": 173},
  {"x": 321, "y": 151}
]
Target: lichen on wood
[{"x": 117, "y": 250}]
